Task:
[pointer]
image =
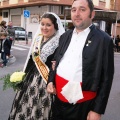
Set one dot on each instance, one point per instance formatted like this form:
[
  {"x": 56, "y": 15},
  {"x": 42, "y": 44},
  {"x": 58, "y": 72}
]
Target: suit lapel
[
  {"x": 66, "y": 43},
  {"x": 89, "y": 40}
]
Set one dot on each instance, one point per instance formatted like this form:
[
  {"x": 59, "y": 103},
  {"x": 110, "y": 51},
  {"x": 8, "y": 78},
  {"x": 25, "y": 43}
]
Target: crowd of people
[
  {"x": 69, "y": 74},
  {"x": 7, "y": 37}
]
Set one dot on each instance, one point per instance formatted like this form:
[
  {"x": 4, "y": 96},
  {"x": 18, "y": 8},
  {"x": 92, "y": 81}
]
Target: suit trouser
[{"x": 66, "y": 111}]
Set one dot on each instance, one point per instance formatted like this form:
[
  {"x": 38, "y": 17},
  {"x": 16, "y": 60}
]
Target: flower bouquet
[{"x": 13, "y": 81}]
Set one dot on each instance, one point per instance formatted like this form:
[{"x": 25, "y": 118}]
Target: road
[
  {"x": 6, "y": 97},
  {"x": 113, "y": 107}
]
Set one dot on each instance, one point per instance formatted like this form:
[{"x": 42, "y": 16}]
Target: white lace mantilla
[{"x": 49, "y": 47}]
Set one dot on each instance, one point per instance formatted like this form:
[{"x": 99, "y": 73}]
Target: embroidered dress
[{"x": 33, "y": 102}]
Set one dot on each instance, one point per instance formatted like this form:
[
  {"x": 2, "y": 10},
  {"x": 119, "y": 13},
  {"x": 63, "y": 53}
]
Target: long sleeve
[{"x": 106, "y": 80}]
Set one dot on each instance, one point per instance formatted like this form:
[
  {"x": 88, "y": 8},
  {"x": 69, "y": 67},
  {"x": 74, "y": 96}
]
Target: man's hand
[
  {"x": 50, "y": 88},
  {"x": 93, "y": 116}
]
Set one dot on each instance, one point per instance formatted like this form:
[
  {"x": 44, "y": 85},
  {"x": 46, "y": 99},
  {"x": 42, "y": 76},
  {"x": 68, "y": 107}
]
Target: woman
[
  {"x": 32, "y": 102},
  {"x": 3, "y": 27}
]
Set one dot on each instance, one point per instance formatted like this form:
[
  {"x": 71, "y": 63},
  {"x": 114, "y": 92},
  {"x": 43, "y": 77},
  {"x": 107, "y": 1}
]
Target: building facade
[
  {"x": 115, "y": 5},
  {"x": 12, "y": 10}
]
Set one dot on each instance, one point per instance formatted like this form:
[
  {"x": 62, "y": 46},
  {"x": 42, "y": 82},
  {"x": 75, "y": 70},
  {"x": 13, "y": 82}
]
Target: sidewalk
[
  {"x": 11, "y": 60},
  {"x": 23, "y": 42},
  {"x": 117, "y": 53}
]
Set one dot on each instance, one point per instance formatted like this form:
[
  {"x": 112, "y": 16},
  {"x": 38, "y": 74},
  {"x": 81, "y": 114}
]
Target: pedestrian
[
  {"x": 83, "y": 68},
  {"x": 118, "y": 40},
  {"x": 33, "y": 102},
  {"x": 11, "y": 34},
  {"x": 5, "y": 48},
  {"x": 3, "y": 27}
]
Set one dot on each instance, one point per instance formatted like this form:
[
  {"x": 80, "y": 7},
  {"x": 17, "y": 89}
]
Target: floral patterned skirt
[{"x": 32, "y": 102}]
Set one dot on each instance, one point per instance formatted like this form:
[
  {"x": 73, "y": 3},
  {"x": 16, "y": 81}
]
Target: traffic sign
[{"x": 26, "y": 13}]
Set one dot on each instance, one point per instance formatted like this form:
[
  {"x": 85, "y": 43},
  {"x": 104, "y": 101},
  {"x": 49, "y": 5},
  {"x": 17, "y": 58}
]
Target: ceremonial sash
[
  {"x": 61, "y": 82},
  {"x": 41, "y": 66}
]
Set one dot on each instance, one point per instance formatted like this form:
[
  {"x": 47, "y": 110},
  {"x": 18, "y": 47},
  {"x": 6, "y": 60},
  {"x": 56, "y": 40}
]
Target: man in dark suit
[
  {"x": 83, "y": 68},
  {"x": 11, "y": 35}
]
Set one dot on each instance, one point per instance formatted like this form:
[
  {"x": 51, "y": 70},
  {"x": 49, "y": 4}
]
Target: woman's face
[{"x": 47, "y": 27}]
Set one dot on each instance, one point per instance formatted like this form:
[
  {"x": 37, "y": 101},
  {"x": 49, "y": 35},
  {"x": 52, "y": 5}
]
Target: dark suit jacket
[
  {"x": 0, "y": 45},
  {"x": 98, "y": 65}
]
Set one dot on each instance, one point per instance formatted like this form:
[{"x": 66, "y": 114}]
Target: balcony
[
  {"x": 102, "y": 4},
  {"x": 117, "y": 5},
  {"x": 39, "y": 0},
  {"x": 21, "y": 1},
  {"x": 43, "y": 0},
  {"x": 5, "y": 2},
  {"x": 112, "y": 4}
]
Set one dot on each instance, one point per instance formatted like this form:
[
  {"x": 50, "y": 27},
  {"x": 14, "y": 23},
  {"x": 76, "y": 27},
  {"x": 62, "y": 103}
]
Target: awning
[
  {"x": 110, "y": 16},
  {"x": 105, "y": 15}
]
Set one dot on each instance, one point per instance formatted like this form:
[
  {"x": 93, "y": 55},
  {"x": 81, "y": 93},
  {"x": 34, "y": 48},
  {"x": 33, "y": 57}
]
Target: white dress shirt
[{"x": 70, "y": 66}]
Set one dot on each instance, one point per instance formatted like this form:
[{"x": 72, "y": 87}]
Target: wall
[
  {"x": 117, "y": 5},
  {"x": 13, "y": 1},
  {"x": 96, "y": 2},
  {"x": 26, "y": 0},
  {"x": 33, "y": 21},
  {"x": 117, "y": 30},
  {"x": 108, "y": 4},
  {"x": 5, "y": 19}
]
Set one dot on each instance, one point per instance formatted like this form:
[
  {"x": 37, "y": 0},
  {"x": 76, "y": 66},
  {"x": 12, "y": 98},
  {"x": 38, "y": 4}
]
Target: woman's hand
[
  {"x": 50, "y": 88},
  {"x": 93, "y": 116}
]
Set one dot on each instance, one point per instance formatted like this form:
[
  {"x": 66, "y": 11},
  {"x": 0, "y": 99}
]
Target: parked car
[{"x": 20, "y": 33}]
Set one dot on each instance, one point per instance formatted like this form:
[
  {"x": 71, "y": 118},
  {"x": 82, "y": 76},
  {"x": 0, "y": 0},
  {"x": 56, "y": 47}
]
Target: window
[
  {"x": 5, "y": 14},
  {"x": 0, "y": 13},
  {"x": 19, "y": 29},
  {"x": 61, "y": 9}
]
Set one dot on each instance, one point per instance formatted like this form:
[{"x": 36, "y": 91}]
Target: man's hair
[
  {"x": 3, "y": 34},
  {"x": 90, "y": 4}
]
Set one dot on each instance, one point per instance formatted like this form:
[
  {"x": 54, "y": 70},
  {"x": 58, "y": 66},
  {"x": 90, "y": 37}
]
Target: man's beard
[{"x": 79, "y": 27}]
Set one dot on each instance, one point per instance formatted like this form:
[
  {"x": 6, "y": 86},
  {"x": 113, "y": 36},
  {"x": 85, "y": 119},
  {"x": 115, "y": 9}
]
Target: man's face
[
  {"x": 81, "y": 15},
  {"x": 10, "y": 23}
]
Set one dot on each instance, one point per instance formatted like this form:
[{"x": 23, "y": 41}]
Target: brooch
[{"x": 89, "y": 41}]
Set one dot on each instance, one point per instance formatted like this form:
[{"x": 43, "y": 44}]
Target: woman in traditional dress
[{"x": 32, "y": 102}]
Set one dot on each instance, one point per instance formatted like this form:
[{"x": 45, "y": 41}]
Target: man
[
  {"x": 82, "y": 73},
  {"x": 11, "y": 34}
]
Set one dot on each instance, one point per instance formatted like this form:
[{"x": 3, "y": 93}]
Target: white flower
[{"x": 17, "y": 77}]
